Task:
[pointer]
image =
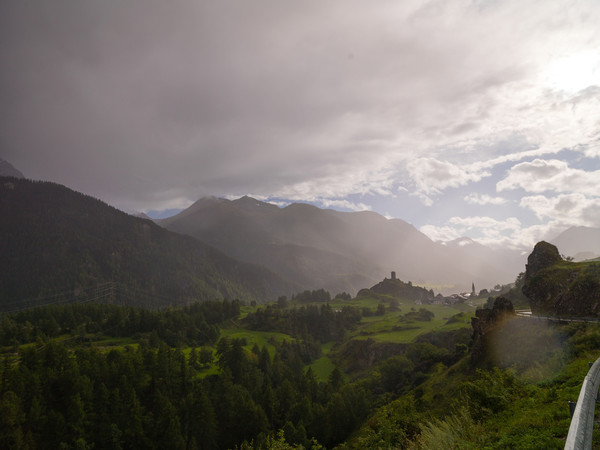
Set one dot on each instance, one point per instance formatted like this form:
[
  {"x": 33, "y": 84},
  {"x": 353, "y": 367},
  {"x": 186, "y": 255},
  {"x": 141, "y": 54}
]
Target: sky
[{"x": 472, "y": 118}]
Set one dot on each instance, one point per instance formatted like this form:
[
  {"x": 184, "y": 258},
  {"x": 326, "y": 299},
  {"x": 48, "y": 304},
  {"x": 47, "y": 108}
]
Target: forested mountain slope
[
  {"x": 339, "y": 251},
  {"x": 57, "y": 241}
]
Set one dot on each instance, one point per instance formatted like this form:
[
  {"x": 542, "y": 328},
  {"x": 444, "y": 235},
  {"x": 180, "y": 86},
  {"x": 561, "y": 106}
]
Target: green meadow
[
  {"x": 323, "y": 366},
  {"x": 259, "y": 338},
  {"x": 393, "y": 327}
]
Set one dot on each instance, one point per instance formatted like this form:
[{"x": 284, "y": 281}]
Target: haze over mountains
[
  {"x": 580, "y": 243},
  {"x": 340, "y": 251},
  {"x": 300, "y": 247}
]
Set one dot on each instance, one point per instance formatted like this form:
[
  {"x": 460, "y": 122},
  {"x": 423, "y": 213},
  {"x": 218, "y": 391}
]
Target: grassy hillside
[{"x": 522, "y": 405}]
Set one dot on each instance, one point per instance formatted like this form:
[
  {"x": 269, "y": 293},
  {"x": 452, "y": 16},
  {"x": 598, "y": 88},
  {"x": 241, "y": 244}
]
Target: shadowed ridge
[{"x": 62, "y": 240}]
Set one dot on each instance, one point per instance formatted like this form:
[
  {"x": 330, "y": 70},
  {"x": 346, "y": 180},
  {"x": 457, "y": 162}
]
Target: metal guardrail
[
  {"x": 582, "y": 422},
  {"x": 528, "y": 314}
]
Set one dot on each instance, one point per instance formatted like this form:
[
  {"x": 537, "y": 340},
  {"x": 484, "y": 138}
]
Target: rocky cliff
[
  {"x": 558, "y": 287},
  {"x": 486, "y": 321}
]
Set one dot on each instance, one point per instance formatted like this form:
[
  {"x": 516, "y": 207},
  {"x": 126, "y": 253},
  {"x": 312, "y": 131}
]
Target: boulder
[{"x": 543, "y": 255}]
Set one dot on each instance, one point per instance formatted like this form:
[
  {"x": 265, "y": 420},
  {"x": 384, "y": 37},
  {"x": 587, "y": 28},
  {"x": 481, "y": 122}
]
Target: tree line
[
  {"x": 318, "y": 322},
  {"x": 193, "y": 325}
]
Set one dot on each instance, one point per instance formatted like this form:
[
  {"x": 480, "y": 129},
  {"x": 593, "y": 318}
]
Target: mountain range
[
  {"x": 60, "y": 245},
  {"x": 54, "y": 239},
  {"x": 580, "y": 243},
  {"x": 339, "y": 251}
]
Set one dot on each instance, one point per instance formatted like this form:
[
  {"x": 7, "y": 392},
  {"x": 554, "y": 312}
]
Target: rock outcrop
[
  {"x": 543, "y": 255},
  {"x": 562, "y": 288},
  {"x": 486, "y": 321}
]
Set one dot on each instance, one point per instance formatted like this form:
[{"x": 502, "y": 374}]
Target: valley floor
[{"x": 344, "y": 374}]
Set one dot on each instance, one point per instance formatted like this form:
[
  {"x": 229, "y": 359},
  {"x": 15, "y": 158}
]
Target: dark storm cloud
[
  {"x": 150, "y": 104},
  {"x": 137, "y": 97}
]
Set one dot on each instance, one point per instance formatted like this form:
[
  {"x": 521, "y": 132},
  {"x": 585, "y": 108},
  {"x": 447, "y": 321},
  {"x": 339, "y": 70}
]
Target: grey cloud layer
[{"x": 151, "y": 104}]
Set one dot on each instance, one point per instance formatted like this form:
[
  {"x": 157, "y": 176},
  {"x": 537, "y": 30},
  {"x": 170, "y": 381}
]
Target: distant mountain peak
[
  {"x": 579, "y": 242},
  {"x": 248, "y": 203},
  {"x": 203, "y": 202},
  {"x": 8, "y": 170}
]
